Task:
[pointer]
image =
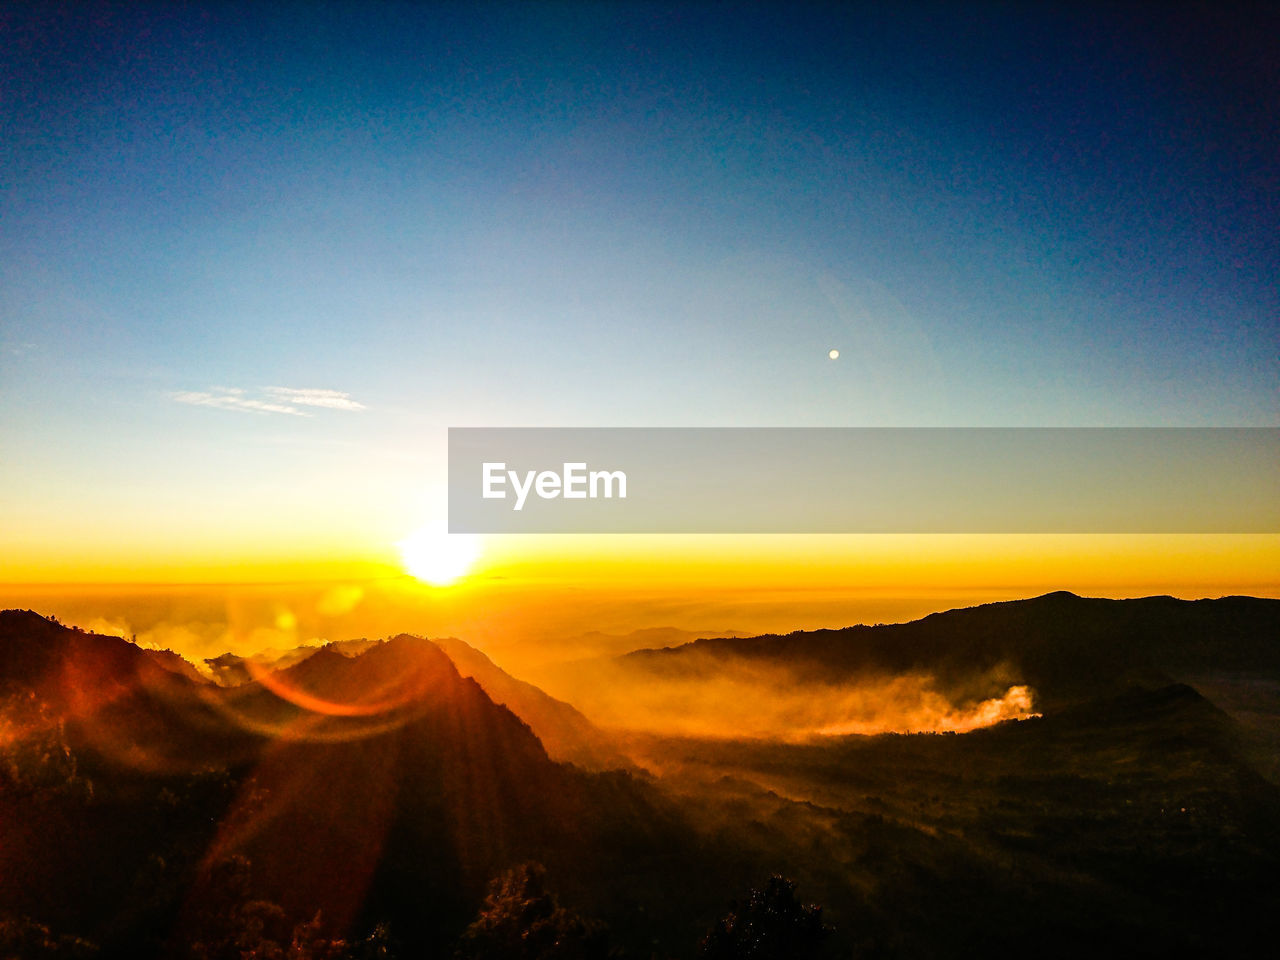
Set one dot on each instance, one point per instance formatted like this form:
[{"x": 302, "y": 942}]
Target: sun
[{"x": 435, "y": 556}]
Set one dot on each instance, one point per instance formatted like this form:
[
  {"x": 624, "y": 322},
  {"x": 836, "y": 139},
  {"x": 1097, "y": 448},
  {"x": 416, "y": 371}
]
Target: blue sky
[{"x": 539, "y": 214}]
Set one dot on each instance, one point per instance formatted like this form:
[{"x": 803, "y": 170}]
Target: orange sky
[{"x": 526, "y": 597}]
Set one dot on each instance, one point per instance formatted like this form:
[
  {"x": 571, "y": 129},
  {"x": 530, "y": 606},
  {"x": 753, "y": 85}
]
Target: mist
[{"x": 729, "y": 698}]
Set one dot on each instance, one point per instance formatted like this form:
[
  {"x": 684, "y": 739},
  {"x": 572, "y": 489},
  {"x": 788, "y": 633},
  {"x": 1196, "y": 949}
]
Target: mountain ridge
[{"x": 1066, "y": 646}]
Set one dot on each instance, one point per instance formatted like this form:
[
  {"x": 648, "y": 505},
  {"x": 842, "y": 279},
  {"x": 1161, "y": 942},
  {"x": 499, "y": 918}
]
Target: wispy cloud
[
  {"x": 331, "y": 399},
  {"x": 285, "y": 400},
  {"x": 235, "y": 400}
]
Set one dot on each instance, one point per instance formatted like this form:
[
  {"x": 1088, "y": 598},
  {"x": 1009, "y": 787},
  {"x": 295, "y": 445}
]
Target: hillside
[
  {"x": 564, "y": 731},
  {"x": 378, "y": 788},
  {"x": 1068, "y": 648}
]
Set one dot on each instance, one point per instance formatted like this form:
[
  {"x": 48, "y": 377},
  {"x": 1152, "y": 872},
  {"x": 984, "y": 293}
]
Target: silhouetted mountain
[
  {"x": 379, "y": 787},
  {"x": 176, "y": 663},
  {"x": 353, "y": 648},
  {"x": 78, "y": 675},
  {"x": 36, "y": 653},
  {"x": 230, "y": 669},
  {"x": 1067, "y": 647},
  {"x": 564, "y": 731},
  {"x": 596, "y": 643}
]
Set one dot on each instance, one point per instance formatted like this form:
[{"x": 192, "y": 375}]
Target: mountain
[
  {"x": 376, "y": 765},
  {"x": 561, "y": 648},
  {"x": 175, "y": 663},
  {"x": 36, "y": 653},
  {"x": 383, "y": 787},
  {"x": 81, "y": 677},
  {"x": 157, "y": 815},
  {"x": 230, "y": 669},
  {"x": 1125, "y": 826},
  {"x": 1068, "y": 648},
  {"x": 566, "y": 733}
]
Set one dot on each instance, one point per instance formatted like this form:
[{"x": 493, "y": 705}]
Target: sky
[{"x": 255, "y": 260}]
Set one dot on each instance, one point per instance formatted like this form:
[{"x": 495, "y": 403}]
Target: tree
[
  {"x": 771, "y": 925},
  {"x": 21, "y": 938},
  {"x": 522, "y": 920}
]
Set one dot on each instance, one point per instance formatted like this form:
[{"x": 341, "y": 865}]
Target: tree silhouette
[
  {"x": 231, "y": 925},
  {"x": 522, "y": 920},
  {"x": 21, "y": 938},
  {"x": 771, "y": 925}
]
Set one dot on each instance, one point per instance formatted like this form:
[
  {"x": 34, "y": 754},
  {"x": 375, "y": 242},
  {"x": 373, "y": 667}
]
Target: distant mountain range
[
  {"x": 1069, "y": 648},
  {"x": 230, "y": 669},
  {"x": 566, "y": 734}
]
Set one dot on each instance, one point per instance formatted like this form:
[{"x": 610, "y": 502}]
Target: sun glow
[{"x": 435, "y": 556}]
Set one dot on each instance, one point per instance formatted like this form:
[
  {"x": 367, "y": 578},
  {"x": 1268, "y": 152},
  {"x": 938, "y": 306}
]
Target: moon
[{"x": 834, "y": 354}]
